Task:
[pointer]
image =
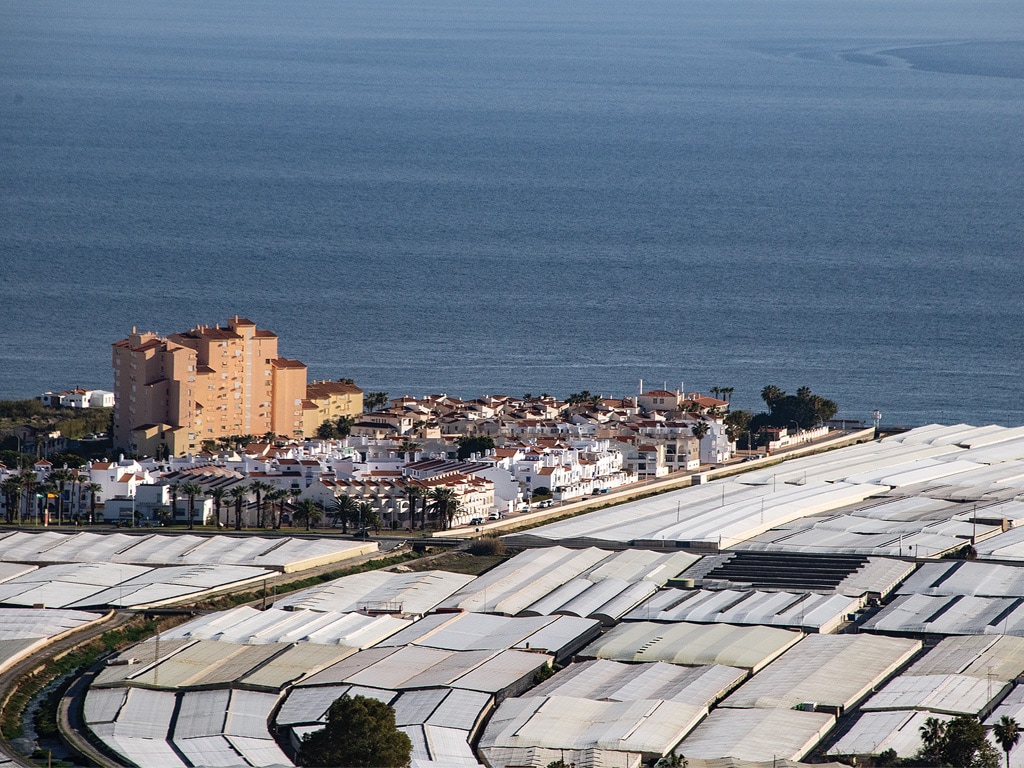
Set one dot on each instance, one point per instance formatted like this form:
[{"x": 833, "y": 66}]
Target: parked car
[
  {"x": 476, "y": 521},
  {"x": 495, "y": 516}
]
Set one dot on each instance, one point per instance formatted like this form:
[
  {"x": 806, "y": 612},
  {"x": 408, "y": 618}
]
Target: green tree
[
  {"x": 29, "y": 482},
  {"x": 1007, "y": 733},
  {"x": 344, "y": 426},
  {"x": 737, "y": 424},
  {"x": 365, "y": 513},
  {"x": 374, "y": 400},
  {"x": 805, "y": 409},
  {"x": 308, "y": 512},
  {"x": 60, "y": 477},
  {"x": 700, "y": 430},
  {"x": 238, "y": 494},
  {"x": 672, "y": 760},
  {"x": 414, "y": 493},
  {"x": 11, "y": 488},
  {"x": 261, "y": 489},
  {"x": 175, "y": 488},
  {"x": 276, "y": 499},
  {"x": 218, "y": 495},
  {"x": 961, "y": 742},
  {"x": 445, "y": 503},
  {"x": 327, "y": 430},
  {"x": 470, "y": 445},
  {"x": 771, "y": 394},
  {"x": 932, "y": 732},
  {"x": 344, "y": 510},
  {"x": 360, "y": 733},
  {"x": 191, "y": 490},
  {"x": 93, "y": 489}
]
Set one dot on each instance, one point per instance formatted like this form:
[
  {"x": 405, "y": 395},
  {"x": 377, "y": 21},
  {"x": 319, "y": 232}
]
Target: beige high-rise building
[{"x": 203, "y": 384}]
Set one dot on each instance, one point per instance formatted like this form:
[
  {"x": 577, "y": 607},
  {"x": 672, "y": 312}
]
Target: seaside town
[
  {"x": 306, "y": 573},
  {"x": 214, "y": 412}
]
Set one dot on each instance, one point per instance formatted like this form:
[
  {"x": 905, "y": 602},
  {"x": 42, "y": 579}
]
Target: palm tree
[
  {"x": 175, "y": 487},
  {"x": 260, "y": 488},
  {"x": 269, "y": 437},
  {"x": 413, "y": 493},
  {"x": 1007, "y": 733},
  {"x": 273, "y": 497},
  {"x": 93, "y": 489},
  {"x": 366, "y": 514},
  {"x": 309, "y": 512},
  {"x": 192, "y": 490},
  {"x": 445, "y": 503},
  {"x": 74, "y": 500},
  {"x": 727, "y": 391},
  {"x": 771, "y": 395},
  {"x": 344, "y": 426},
  {"x": 43, "y": 491},
  {"x": 11, "y": 488},
  {"x": 238, "y": 494},
  {"x": 29, "y": 480},
  {"x": 408, "y": 447},
  {"x": 700, "y": 430},
  {"x": 218, "y": 494},
  {"x": 60, "y": 477},
  {"x": 933, "y": 731},
  {"x": 344, "y": 510}
]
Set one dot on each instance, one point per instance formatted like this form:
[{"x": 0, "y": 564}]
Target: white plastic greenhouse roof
[
  {"x": 721, "y": 513},
  {"x": 594, "y": 583},
  {"x": 835, "y": 671},
  {"x": 411, "y": 593},
  {"x": 757, "y": 734},
  {"x": 249, "y": 625},
  {"x": 187, "y": 663},
  {"x": 604, "y": 680},
  {"x": 1002, "y": 546},
  {"x": 415, "y": 667},
  {"x": 442, "y": 747},
  {"x": 1013, "y": 707},
  {"x": 214, "y": 727},
  {"x": 286, "y": 553},
  {"x": 806, "y": 610},
  {"x": 793, "y": 506},
  {"x": 958, "y": 615},
  {"x": 650, "y": 727},
  {"x": 86, "y": 585},
  {"x": 875, "y": 732},
  {"x": 966, "y": 578},
  {"x": 541, "y": 757},
  {"x": 693, "y": 644},
  {"x": 988, "y": 657},
  {"x": 34, "y": 623},
  {"x": 945, "y": 694},
  {"x": 559, "y": 635}
]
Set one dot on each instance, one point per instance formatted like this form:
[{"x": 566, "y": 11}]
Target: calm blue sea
[{"x": 527, "y": 195}]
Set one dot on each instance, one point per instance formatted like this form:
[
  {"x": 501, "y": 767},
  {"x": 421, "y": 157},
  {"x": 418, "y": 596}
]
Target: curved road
[{"x": 28, "y": 665}]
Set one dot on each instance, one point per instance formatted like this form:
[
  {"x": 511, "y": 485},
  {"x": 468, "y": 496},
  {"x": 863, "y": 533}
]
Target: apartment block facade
[{"x": 203, "y": 384}]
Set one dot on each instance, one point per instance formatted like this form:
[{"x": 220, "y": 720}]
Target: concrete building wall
[{"x": 203, "y": 384}]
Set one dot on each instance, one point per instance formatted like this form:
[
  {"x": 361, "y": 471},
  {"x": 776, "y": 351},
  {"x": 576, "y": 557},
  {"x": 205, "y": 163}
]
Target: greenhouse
[{"x": 749, "y": 648}]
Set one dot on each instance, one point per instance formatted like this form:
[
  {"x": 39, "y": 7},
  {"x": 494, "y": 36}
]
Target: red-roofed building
[{"x": 205, "y": 383}]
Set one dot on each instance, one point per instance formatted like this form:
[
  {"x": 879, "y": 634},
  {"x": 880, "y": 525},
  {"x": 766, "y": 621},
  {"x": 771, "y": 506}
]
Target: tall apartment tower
[{"x": 203, "y": 384}]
